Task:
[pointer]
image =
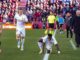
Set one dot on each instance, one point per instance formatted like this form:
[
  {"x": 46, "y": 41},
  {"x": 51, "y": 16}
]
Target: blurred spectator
[
  {"x": 37, "y": 9},
  {"x": 10, "y": 17},
  {"x": 76, "y": 24},
  {"x": 35, "y": 24},
  {"x": 68, "y": 20},
  {"x": 5, "y": 18}
]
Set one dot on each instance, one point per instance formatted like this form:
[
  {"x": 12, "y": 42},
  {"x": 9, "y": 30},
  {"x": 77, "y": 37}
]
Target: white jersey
[
  {"x": 20, "y": 19},
  {"x": 49, "y": 43}
]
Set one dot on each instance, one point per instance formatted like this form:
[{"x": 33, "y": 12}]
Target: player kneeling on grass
[
  {"x": 20, "y": 19},
  {"x": 48, "y": 41}
]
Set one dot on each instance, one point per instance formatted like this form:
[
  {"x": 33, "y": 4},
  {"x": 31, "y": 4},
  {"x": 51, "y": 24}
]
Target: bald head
[{"x": 78, "y": 12}]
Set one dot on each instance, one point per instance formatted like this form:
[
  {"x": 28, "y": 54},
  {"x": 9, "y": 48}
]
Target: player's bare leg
[
  {"x": 57, "y": 46},
  {"x": 40, "y": 47},
  {"x": 58, "y": 49}
]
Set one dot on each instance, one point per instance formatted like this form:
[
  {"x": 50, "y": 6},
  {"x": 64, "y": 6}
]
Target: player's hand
[{"x": 40, "y": 52}]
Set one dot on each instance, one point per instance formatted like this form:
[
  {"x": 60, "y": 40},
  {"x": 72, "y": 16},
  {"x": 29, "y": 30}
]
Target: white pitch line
[
  {"x": 55, "y": 32},
  {"x": 73, "y": 45},
  {"x": 46, "y": 56}
]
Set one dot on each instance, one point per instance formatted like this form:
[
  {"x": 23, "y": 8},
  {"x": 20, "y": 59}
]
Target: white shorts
[
  {"x": 20, "y": 32},
  {"x": 48, "y": 47}
]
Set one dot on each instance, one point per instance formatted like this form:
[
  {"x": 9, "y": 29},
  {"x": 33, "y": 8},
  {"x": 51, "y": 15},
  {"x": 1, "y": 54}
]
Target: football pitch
[{"x": 31, "y": 50}]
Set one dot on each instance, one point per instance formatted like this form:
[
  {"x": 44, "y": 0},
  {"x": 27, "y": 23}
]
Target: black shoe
[{"x": 77, "y": 46}]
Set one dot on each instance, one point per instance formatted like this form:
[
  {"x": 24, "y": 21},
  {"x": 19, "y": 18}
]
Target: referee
[
  {"x": 76, "y": 25},
  {"x": 51, "y": 20}
]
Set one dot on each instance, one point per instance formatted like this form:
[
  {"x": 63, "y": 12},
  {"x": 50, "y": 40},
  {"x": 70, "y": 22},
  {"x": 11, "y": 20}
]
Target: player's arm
[
  {"x": 55, "y": 21},
  {"x": 26, "y": 19},
  {"x": 58, "y": 49},
  {"x": 56, "y": 44},
  {"x": 15, "y": 18},
  {"x": 48, "y": 19}
]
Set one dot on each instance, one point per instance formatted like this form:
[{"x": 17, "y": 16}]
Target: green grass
[{"x": 10, "y": 51}]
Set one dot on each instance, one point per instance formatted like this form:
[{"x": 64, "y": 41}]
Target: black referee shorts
[{"x": 51, "y": 25}]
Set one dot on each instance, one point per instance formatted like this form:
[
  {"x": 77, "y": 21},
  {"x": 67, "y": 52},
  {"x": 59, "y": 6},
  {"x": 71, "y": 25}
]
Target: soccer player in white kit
[
  {"x": 20, "y": 19},
  {"x": 48, "y": 41}
]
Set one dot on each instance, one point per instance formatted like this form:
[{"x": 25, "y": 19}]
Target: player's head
[
  {"x": 51, "y": 12},
  {"x": 49, "y": 36},
  {"x": 68, "y": 14},
  {"x": 20, "y": 11}
]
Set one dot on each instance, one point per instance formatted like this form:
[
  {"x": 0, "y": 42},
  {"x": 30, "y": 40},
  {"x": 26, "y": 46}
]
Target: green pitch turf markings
[{"x": 73, "y": 45}]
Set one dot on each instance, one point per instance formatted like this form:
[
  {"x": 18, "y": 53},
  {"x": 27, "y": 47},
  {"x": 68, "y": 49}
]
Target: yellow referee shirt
[{"x": 51, "y": 19}]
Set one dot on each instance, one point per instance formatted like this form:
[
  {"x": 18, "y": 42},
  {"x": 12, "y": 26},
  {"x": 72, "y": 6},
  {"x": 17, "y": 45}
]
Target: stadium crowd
[
  {"x": 36, "y": 12},
  {"x": 7, "y": 10}
]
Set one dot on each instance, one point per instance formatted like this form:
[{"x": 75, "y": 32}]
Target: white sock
[
  {"x": 46, "y": 56},
  {"x": 18, "y": 42},
  {"x": 22, "y": 43}
]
